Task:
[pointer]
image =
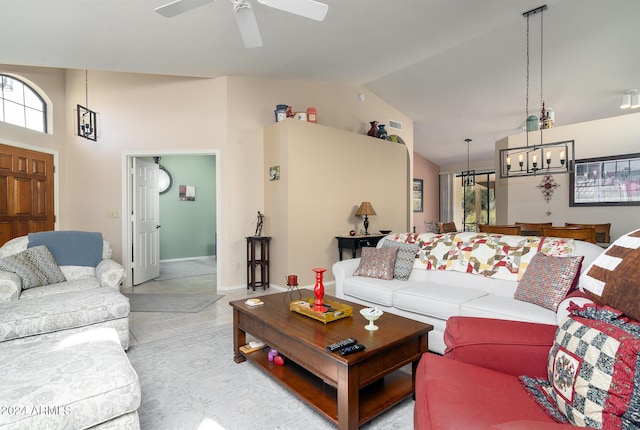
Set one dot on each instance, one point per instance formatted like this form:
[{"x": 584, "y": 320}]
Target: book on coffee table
[{"x": 252, "y": 346}]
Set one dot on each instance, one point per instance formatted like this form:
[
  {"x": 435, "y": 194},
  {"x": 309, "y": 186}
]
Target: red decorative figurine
[{"x": 318, "y": 291}]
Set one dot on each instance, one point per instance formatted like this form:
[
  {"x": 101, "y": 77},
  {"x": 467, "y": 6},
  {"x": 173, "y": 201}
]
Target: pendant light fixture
[
  {"x": 539, "y": 158},
  {"x": 468, "y": 176},
  {"x": 86, "y": 118}
]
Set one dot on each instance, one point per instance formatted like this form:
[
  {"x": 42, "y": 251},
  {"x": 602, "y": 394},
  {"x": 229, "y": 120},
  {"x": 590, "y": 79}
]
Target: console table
[
  {"x": 258, "y": 258},
  {"x": 355, "y": 242}
]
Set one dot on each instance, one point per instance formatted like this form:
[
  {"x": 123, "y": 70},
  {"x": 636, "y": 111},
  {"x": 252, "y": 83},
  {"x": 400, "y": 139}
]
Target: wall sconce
[
  {"x": 545, "y": 159},
  {"x": 365, "y": 209},
  {"x": 630, "y": 100}
]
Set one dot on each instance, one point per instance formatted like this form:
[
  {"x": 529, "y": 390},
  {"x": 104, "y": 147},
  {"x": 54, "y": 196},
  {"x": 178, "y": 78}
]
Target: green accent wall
[{"x": 189, "y": 227}]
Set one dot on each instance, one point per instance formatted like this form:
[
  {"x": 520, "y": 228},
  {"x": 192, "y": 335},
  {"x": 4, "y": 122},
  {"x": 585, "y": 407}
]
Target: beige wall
[
  {"x": 325, "y": 174},
  {"x": 429, "y": 172},
  {"x": 524, "y": 201},
  {"x": 159, "y": 114}
]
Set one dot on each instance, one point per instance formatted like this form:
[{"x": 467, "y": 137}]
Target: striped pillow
[{"x": 613, "y": 278}]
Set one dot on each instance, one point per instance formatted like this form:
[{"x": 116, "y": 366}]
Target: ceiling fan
[{"x": 244, "y": 13}]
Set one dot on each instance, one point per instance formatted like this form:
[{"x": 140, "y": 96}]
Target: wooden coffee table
[{"x": 348, "y": 390}]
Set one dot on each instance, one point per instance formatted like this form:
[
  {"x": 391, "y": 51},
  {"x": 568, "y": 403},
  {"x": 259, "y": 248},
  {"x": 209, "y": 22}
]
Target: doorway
[{"x": 187, "y": 221}]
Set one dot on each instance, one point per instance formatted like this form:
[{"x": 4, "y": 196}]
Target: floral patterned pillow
[{"x": 377, "y": 263}]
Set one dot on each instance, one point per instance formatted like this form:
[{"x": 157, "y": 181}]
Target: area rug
[
  {"x": 192, "y": 383},
  {"x": 186, "y": 268},
  {"x": 167, "y": 302}
]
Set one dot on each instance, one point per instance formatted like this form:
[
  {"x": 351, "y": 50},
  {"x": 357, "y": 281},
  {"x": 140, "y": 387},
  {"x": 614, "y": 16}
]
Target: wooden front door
[{"x": 26, "y": 192}]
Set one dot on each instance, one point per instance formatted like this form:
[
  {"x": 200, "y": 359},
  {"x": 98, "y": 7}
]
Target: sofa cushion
[
  {"x": 78, "y": 382},
  {"x": 507, "y": 308},
  {"x": 434, "y": 299},
  {"x": 377, "y": 263},
  {"x": 55, "y": 312},
  {"x": 404, "y": 259},
  {"x": 35, "y": 267},
  {"x": 71, "y": 248},
  {"x": 512, "y": 347},
  {"x": 593, "y": 369},
  {"x": 454, "y": 395},
  {"x": 613, "y": 278},
  {"x": 377, "y": 291},
  {"x": 548, "y": 279},
  {"x": 62, "y": 287}
]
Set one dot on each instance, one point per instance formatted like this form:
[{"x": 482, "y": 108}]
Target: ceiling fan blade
[
  {"x": 308, "y": 8},
  {"x": 177, "y": 7},
  {"x": 247, "y": 24}
]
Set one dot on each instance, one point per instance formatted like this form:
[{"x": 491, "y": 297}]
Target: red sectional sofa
[{"x": 475, "y": 384}]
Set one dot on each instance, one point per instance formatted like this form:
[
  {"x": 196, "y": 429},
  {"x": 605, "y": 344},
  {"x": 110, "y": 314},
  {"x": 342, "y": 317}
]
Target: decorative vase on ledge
[
  {"x": 382, "y": 132},
  {"x": 373, "y": 130}
]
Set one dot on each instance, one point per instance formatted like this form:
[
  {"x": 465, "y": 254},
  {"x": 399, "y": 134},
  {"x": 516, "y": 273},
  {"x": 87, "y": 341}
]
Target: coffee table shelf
[
  {"x": 322, "y": 396},
  {"x": 349, "y": 390}
]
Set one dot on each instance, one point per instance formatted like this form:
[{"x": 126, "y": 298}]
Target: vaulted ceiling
[{"x": 456, "y": 67}]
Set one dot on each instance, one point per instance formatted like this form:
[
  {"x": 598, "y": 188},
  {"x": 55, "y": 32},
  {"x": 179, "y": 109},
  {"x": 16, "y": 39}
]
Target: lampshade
[{"x": 365, "y": 209}]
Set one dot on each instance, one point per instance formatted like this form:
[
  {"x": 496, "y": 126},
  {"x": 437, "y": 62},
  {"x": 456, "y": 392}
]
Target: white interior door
[{"x": 146, "y": 221}]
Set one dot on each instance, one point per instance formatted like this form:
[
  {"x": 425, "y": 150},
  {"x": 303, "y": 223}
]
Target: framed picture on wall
[
  {"x": 605, "y": 181},
  {"x": 418, "y": 196}
]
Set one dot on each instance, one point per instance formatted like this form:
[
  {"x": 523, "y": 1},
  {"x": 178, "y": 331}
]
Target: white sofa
[{"x": 433, "y": 294}]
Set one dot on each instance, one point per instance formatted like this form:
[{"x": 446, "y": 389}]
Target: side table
[
  {"x": 258, "y": 261},
  {"x": 358, "y": 241}
]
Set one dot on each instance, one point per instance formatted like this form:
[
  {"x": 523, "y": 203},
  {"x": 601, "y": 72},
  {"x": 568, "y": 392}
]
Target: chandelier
[
  {"x": 468, "y": 176},
  {"x": 538, "y": 158},
  {"x": 87, "y": 120}
]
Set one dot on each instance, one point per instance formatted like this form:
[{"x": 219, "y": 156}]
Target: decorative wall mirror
[{"x": 165, "y": 180}]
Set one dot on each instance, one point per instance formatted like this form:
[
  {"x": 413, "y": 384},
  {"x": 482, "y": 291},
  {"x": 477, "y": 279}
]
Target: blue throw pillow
[{"x": 71, "y": 248}]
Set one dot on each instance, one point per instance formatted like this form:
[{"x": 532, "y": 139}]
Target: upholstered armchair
[{"x": 82, "y": 267}]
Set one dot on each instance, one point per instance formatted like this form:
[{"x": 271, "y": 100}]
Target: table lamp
[{"x": 365, "y": 209}]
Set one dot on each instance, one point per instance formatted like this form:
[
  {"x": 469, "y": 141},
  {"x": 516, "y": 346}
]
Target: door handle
[{"x": 158, "y": 226}]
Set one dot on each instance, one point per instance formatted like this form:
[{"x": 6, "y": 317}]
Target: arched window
[{"x": 21, "y": 105}]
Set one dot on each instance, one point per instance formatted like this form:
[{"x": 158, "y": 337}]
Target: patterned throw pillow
[
  {"x": 404, "y": 259},
  {"x": 613, "y": 278},
  {"x": 377, "y": 263},
  {"x": 593, "y": 370},
  {"x": 431, "y": 227},
  {"x": 36, "y": 267},
  {"x": 547, "y": 280}
]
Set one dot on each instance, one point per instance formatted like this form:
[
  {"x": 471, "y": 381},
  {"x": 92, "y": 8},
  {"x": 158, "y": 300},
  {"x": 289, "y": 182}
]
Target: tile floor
[{"x": 149, "y": 326}]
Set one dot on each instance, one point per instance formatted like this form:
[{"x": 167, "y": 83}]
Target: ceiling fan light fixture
[{"x": 247, "y": 24}]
